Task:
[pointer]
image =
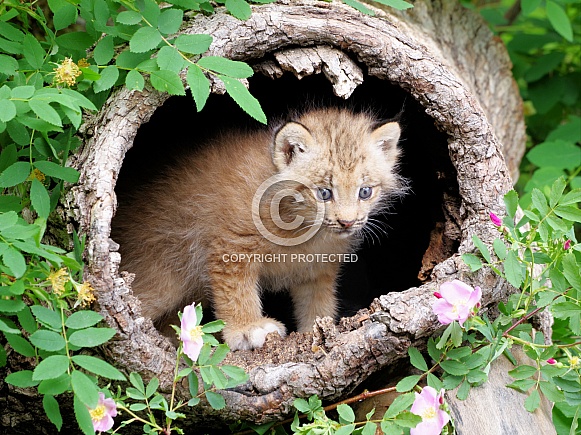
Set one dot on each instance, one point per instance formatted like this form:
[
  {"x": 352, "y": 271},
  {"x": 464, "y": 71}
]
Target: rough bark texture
[{"x": 448, "y": 61}]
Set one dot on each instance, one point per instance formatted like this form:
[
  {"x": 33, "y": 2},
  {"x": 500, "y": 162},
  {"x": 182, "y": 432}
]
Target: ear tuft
[
  {"x": 293, "y": 138},
  {"x": 387, "y": 135}
]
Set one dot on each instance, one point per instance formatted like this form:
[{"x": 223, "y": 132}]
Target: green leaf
[
  {"x": 65, "y": 16},
  {"x": 529, "y": 6},
  {"x": 462, "y": 393},
  {"x": 400, "y": 404},
  {"x": 513, "y": 269},
  {"x": 557, "y": 154},
  {"x": 230, "y": 68},
  {"x": 193, "y": 384},
  {"x": 564, "y": 310},
  {"x": 137, "y": 382},
  {"x": 54, "y": 170},
  {"x": 55, "y": 386},
  {"x": 540, "y": 202},
  {"x": 400, "y": 5},
  {"x": 14, "y": 174},
  {"x": 152, "y": 387},
  {"x": 104, "y": 50},
  {"x": 168, "y": 58},
  {"x": 459, "y": 353},
  {"x": 99, "y": 367},
  {"x": 472, "y": 261},
  {"x": 33, "y": 51},
  {"x": 511, "y": 203},
  {"x": 551, "y": 392},
  {"x": 129, "y": 18},
  {"x": 20, "y": 345},
  {"x": 359, "y": 6},
  {"x": 572, "y": 197},
  {"x": 243, "y": 98},
  {"x": 83, "y": 319},
  {"x": 345, "y": 430},
  {"x": 407, "y": 383},
  {"x": 11, "y": 305},
  {"x": 482, "y": 248},
  {"x": 170, "y": 21},
  {"x": 557, "y": 190},
  {"x": 569, "y": 212},
  {"x": 52, "y": 410},
  {"x": 144, "y": 39},
  {"x": 523, "y": 372},
  {"x": 51, "y": 367},
  {"x": 48, "y": 340},
  {"x": 91, "y": 337},
  {"x": 134, "y": 80},
  {"x": 499, "y": 248},
  {"x": 455, "y": 368},
  {"x": 7, "y": 108},
  {"x": 40, "y": 198},
  {"x": 533, "y": 401},
  {"x": 346, "y": 414},
  {"x": 8, "y": 327},
  {"x": 83, "y": 416},
  {"x": 85, "y": 389},
  {"x": 193, "y": 44},
  {"x": 8, "y": 65},
  {"x": 45, "y": 111},
  {"x": 212, "y": 327},
  {"x": 167, "y": 81},
  {"x": 47, "y": 317},
  {"x": 108, "y": 78},
  {"x": 215, "y": 400},
  {"x": 14, "y": 261},
  {"x": 21, "y": 379},
  {"x": 559, "y": 20},
  {"x": 571, "y": 270},
  {"x": 417, "y": 359},
  {"x": 199, "y": 85},
  {"x": 9, "y": 31},
  {"x": 239, "y": 8},
  {"x": 407, "y": 419}
]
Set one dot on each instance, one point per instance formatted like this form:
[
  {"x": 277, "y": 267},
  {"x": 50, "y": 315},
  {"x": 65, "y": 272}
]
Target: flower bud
[{"x": 495, "y": 220}]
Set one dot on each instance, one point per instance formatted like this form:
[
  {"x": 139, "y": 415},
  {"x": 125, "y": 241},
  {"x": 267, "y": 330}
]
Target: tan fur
[{"x": 175, "y": 233}]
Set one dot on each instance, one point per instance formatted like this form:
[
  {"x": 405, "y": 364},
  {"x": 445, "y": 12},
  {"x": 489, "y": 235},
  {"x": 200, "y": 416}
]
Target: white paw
[{"x": 252, "y": 335}]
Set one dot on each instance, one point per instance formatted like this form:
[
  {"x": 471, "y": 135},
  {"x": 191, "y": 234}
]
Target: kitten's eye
[
  {"x": 324, "y": 194},
  {"x": 365, "y": 192}
]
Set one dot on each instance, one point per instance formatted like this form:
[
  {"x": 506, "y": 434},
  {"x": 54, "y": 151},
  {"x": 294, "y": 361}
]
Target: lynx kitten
[{"x": 241, "y": 214}]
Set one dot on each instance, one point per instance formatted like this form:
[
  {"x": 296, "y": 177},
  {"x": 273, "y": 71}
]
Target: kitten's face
[{"x": 349, "y": 163}]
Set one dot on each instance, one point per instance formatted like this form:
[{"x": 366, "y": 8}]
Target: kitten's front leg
[
  {"x": 315, "y": 298},
  {"x": 236, "y": 300}
]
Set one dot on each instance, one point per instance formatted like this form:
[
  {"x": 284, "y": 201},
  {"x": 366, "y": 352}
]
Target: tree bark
[{"x": 445, "y": 57}]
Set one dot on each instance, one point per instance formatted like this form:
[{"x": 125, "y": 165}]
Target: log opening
[{"x": 413, "y": 241}]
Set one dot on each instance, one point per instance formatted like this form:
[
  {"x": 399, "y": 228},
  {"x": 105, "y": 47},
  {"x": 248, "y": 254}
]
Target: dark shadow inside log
[{"x": 400, "y": 253}]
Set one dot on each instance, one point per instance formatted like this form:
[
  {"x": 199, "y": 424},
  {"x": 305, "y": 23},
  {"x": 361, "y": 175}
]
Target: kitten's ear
[
  {"x": 386, "y": 136},
  {"x": 289, "y": 142}
]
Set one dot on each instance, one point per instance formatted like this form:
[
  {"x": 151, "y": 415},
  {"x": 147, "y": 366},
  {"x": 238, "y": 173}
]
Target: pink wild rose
[
  {"x": 456, "y": 302},
  {"x": 427, "y": 405},
  {"x": 191, "y": 333},
  {"x": 102, "y": 415}
]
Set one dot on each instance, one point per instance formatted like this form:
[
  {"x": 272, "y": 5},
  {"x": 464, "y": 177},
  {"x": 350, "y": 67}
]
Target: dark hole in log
[{"x": 414, "y": 239}]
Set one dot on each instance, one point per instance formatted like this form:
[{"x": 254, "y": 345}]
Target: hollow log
[{"x": 442, "y": 65}]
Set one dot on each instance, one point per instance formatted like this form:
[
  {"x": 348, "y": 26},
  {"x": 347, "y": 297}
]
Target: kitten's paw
[{"x": 252, "y": 335}]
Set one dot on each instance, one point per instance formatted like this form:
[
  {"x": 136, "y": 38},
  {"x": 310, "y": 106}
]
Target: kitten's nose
[{"x": 345, "y": 224}]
